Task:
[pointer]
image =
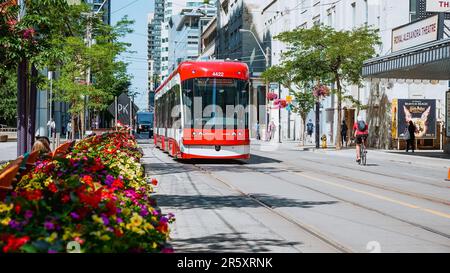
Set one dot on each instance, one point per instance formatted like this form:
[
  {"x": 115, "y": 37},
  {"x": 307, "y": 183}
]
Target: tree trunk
[
  {"x": 303, "y": 130},
  {"x": 339, "y": 106}
]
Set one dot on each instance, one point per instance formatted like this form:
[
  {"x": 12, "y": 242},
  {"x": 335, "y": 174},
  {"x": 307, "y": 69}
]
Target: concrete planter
[{"x": 3, "y": 138}]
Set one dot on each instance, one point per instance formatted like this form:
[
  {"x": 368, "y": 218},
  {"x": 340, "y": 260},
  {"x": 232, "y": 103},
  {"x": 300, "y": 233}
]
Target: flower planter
[{"x": 3, "y": 138}]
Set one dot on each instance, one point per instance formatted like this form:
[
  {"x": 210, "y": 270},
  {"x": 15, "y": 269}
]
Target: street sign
[
  {"x": 123, "y": 109},
  {"x": 273, "y": 86},
  {"x": 414, "y": 34},
  {"x": 438, "y": 6}
]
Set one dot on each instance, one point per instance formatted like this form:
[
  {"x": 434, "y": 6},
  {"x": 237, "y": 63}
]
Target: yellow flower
[
  {"x": 136, "y": 220},
  {"x": 4, "y": 207},
  {"x": 148, "y": 226},
  {"x": 105, "y": 238},
  {"x": 52, "y": 237},
  {"x": 5, "y": 221},
  {"x": 126, "y": 211},
  {"x": 138, "y": 230},
  {"x": 154, "y": 245},
  {"x": 97, "y": 219}
]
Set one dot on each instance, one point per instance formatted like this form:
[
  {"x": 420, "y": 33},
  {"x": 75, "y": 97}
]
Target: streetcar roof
[{"x": 203, "y": 69}]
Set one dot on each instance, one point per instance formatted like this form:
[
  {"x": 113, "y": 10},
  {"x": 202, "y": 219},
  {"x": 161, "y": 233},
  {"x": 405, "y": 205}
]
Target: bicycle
[{"x": 363, "y": 152}]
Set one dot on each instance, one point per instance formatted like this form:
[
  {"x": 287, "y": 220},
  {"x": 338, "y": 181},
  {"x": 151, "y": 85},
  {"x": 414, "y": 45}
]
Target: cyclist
[{"x": 361, "y": 132}]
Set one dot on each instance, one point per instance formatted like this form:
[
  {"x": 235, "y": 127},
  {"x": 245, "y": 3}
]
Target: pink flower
[{"x": 29, "y": 33}]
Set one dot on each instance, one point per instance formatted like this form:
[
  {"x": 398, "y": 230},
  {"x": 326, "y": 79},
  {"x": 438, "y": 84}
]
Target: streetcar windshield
[{"x": 215, "y": 103}]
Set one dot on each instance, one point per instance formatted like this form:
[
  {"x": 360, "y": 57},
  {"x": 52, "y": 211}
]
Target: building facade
[
  {"x": 185, "y": 32},
  {"x": 385, "y": 15}
]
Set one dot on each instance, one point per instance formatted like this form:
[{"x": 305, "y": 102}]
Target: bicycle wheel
[{"x": 363, "y": 156}]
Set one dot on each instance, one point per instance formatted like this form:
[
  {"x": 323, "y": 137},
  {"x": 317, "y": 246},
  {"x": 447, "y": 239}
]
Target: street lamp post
[
  {"x": 91, "y": 14},
  {"x": 266, "y": 57}
]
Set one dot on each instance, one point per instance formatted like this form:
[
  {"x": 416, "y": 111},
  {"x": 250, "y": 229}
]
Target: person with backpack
[
  {"x": 310, "y": 129},
  {"x": 361, "y": 132}
]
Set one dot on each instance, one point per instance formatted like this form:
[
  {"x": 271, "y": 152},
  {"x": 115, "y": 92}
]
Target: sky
[{"x": 136, "y": 10}]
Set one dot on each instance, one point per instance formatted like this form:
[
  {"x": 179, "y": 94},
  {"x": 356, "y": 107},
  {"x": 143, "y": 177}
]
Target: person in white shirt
[{"x": 51, "y": 127}]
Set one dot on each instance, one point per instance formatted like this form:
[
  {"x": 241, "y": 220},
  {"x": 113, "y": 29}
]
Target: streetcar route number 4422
[{"x": 218, "y": 74}]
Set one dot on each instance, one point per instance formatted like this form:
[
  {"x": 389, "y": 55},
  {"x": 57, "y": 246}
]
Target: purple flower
[
  {"x": 105, "y": 220},
  {"x": 75, "y": 215},
  {"x": 144, "y": 212},
  {"x": 119, "y": 220},
  {"x": 163, "y": 220},
  {"x": 14, "y": 224},
  {"x": 49, "y": 225},
  {"x": 109, "y": 180},
  {"x": 155, "y": 213},
  {"x": 28, "y": 214},
  {"x": 51, "y": 251}
]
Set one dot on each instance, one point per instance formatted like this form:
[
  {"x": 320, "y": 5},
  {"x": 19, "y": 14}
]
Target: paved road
[{"x": 287, "y": 200}]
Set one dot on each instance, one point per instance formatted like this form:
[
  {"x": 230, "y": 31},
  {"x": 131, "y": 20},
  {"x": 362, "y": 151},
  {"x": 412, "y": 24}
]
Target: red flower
[
  {"x": 17, "y": 208},
  {"x": 32, "y": 195},
  {"x": 117, "y": 184},
  {"x": 88, "y": 180},
  {"x": 65, "y": 198},
  {"x": 52, "y": 187},
  {"x": 154, "y": 182},
  {"x": 14, "y": 243}
]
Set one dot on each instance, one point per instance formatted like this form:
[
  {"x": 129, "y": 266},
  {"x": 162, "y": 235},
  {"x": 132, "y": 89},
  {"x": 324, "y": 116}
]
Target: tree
[
  {"x": 339, "y": 56},
  {"x": 289, "y": 76}
]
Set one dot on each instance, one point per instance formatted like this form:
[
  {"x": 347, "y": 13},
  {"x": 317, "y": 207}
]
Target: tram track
[
  {"x": 312, "y": 231},
  {"x": 337, "y": 245},
  {"x": 417, "y": 225},
  {"x": 368, "y": 183}
]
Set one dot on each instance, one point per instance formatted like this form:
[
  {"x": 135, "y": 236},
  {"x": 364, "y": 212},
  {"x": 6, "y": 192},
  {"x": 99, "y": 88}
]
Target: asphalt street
[{"x": 285, "y": 199}]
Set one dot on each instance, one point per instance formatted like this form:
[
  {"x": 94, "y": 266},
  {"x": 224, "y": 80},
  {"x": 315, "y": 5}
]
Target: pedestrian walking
[
  {"x": 309, "y": 130},
  {"x": 69, "y": 130},
  {"x": 51, "y": 127},
  {"x": 258, "y": 135},
  {"x": 344, "y": 130},
  {"x": 271, "y": 130},
  {"x": 410, "y": 136}
]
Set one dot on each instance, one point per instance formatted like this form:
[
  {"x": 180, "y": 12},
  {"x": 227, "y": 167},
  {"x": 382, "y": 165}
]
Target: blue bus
[{"x": 144, "y": 122}]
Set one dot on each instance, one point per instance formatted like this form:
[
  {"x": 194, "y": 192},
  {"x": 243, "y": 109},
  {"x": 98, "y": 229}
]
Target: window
[
  {"x": 215, "y": 95},
  {"x": 413, "y": 10}
]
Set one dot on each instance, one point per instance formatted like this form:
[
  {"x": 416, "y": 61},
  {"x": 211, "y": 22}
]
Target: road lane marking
[{"x": 405, "y": 204}]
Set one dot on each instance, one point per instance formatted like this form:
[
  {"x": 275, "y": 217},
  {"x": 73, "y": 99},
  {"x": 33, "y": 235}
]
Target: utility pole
[
  {"x": 90, "y": 15},
  {"x": 22, "y": 90}
]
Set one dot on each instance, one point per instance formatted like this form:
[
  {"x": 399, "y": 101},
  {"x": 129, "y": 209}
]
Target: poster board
[{"x": 421, "y": 112}]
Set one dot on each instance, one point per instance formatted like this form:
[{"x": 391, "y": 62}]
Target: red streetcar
[{"x": 201, "y": 111}]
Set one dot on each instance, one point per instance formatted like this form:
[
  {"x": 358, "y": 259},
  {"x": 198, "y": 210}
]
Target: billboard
[
  {"x": 447, "y": 113},
  {"x": 438, "y": 5},
  {"x": 394, "y": 123},
  {"x": 414, "y": 34},
  {"x": 422, "y": 113}
]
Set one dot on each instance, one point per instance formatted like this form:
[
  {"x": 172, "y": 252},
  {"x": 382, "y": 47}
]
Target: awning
[{"x": 430, "y": 61}]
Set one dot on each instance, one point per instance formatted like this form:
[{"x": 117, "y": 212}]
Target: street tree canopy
[{"x": 324, "y": 55}]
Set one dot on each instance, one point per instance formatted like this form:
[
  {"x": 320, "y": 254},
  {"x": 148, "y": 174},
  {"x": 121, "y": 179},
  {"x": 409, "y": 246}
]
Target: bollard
[
  {"x": 58, "y": 139},
  {"x": 448, "y": 175}
]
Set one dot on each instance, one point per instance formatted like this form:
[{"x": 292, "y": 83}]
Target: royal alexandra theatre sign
[
  {"x": 438, "y": 5},
  {"x": 417, "y": 33}
]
